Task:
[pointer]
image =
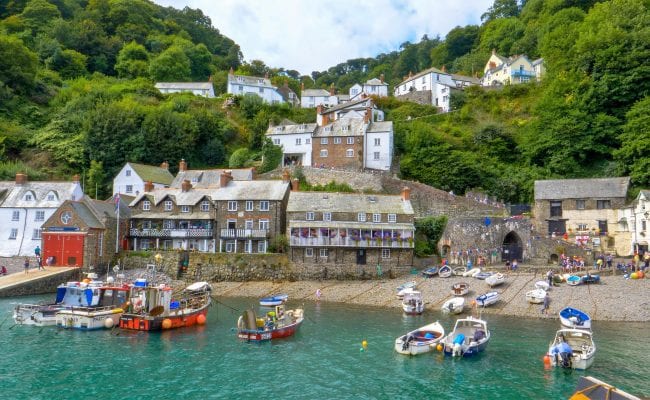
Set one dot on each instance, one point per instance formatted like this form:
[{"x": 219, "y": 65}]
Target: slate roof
[
  {"x": 206, "y": 178},
  {"x": 285, "y": 91},
  {"x": 376, "y": 82},
  {"x": 252, "y": 190},
  {"x": 315, "y": 93},
  {"x": 180, "y": 198},
  {"x": 250, "y": 80},
  {"x": 558, "y": 189},
  {"x": 293, "y": 128},
  {"x": 12, "y": 195},
  {"x": 348, "y": 202},
  {"x": 383, "y": 126},
  {"x": 464, "y": 78},
  {"x": 355, "y": 128},
  {"x": 422, "y": 73},
  {"x": 152, "y": 173},
  {"x": 350, "y": 104},
  {"x": 184, "y": 85}
]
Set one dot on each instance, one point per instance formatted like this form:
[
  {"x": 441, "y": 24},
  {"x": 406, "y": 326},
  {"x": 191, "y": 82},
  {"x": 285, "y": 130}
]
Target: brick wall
[{"x": 337, "y": 153}]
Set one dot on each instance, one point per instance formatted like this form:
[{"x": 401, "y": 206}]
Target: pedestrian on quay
[
  {"x": 39, "y": 263},
  {"x": 26, "y": 265},
  {"x": 549, "y": 277},
  {"x": 547, "y": 301}
]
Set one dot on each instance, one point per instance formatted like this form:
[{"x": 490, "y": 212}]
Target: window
[
  {"x": 643, "y": 225},
  {"x": 337, "y": 140},
  {"x": 261, "y": 90},
  {"x": 327, "y": 216},
  {"x": 144, "y": 244},
  {"x": 248, "y": 247},
  {"x": 40, "y": 216},
  {"x": 392, "y": 218},
  {"x": 248, "y": 224},
  {"x": 15, "y": 215},
  {"x": 205, "y": 205},
  {"x": 241, "y": 88},
  {"x": 324, "y": 140},
  {"x": 264, "y": 205},
  {"x": 127, "y": 172},
  {"x": 185, "y": 209},
  {"x": 146, "y": 224},
  {"x": 376, "y": 217},
  {"x": 385, "y": 253},
  {"x": 129, "y": 188},
  {"x": 375, "y": 155},
  {"x": 232, "y": 205},
  {"x": 298, "y": 141},
  {"x": 51, "y": 197},
  {"x": 264, "y": 224},
  {"x": 168, "y": 205},
  {"x": 350, "y": 140},
  {"x": 603, "y": 204},
  {"x": 361, "y": 217},
  {"x": 307, "y": 141},
  {"x": 276, "y": 141},
  {"x": 580, "y": 204},
  {"x": 582, "y": 227},
  {"x": 556, "y": 208},
  {"x": 261, "y": 246},
  {"x": 28, "y": 197},
  {"x": 345, "y": 128},
  {"x": 13, "y": 234},
  {"x": 230, "y": 246},
  {"x": 168, "y": 224},
  {"x": 146, "y": 205},
  {"x": 37, "y": 234},
  {"x": 324, "y": 253},
  {"x": 249, "y": 205},
  {"x": 310, "y": 216},
  {"x": 377, "y": 142},
  {"x": 323, "y": 153},
  {"x": 309, "y": 252},
  {"x": 349, "y": 153},
  {"x": 424, "y": 79}
]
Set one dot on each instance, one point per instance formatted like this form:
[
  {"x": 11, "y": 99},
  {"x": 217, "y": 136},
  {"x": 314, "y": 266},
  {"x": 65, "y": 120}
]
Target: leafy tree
[
  {"x": 501, "y": 34},
  {"x": 38, "y": 14},
  {"x": 632, "y": 156},
  {"x": 96, "y": 185},
  {"x": 171, "y": 65},
  {"x": 172, "y": 134},
  {"x": 430, "y": 229},
  {"x": 132, "y": 61},
  {"x": 271, "y": 156},
  {"x": 240, "y": 158},
  {"x": 18, "y": 66},
  {"x": 502, "y": 9},
  {"x": 68, "y": 63}
]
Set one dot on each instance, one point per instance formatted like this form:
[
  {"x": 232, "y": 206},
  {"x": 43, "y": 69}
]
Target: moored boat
[
  {"x": 277, "y": 324},
  {"x": 482, "y": 275},
  {"x": 536, "y": 296},
  {"x": 455, "y": 305},
  {"x": 458, "y": 271},
  {"x": 153, "y": 308},
  {"x": 412, "y": 304},
  {"x": 405, "y": 291},
  {"x": 421, "y": 340},
  {"x": 542, "y": 285},
  {"x": 572, "y": 348},
  {"x": 445, "y": 271},
  {"x": 573, "y": 280},
  {"x": 573, "y": 318},
  {"x": 460, "y": 288},
  {"x": 487, "y": 299},
  {"x": 495, "y": 279},
  {"x": 430, "y": 272},
  {"x": 469, "y": 337},
  {"x": 104, "y": 315},
  {"x": 274, "y": 300},
  {"x": 589, "y": 278},
  {"x": 590, "y": 388},
  {"x": 471, "y": 272},
  {"x": 407, "y": 285}
]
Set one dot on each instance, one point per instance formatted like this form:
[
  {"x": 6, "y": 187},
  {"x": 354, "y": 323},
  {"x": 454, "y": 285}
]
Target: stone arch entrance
[
  {"x": 445, "y": 250},
  {"x": 512, "y": 247}
]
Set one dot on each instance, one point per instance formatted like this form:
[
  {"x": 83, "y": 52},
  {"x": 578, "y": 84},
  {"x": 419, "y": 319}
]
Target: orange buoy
[
  {"x": 200, "y": 319},
  {"x": 167, "y": 323},
  {"x": 547, "y": 360},
  {"x": 640, "y": 274}
]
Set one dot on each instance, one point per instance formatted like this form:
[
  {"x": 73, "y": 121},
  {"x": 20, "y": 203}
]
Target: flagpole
[{"x": 117, "y": 236}]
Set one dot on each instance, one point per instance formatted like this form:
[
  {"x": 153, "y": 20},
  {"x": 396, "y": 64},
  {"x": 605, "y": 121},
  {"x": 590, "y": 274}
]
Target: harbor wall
[{"x": 40, "y": 285}]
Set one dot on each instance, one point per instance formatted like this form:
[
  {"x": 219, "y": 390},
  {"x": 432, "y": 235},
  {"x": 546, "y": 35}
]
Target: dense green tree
[
  {"x": 38, "y": 14},
  {"x": 132, "y": 61},
  {"x": 241, "y": 158},
  {"x": 18, "y": 66},
  {"x": 501, "y": 34},
  {"x": 171, "y": 65},
  {"x": 503, "y": 9},
  {"x": 68, "y": 63},
  {"x": 96, "y": 183},
  {"x": 632, "y": 157},
  {"x": 172, "y": 135}
]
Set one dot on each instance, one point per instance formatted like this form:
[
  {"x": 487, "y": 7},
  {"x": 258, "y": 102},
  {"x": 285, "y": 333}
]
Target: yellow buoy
[
  {"x": 364, "y": 344},
  {"x": 634, "y": 275},
  {"x": 167, "y": 323},
  {"x": 439, "y": 347}
]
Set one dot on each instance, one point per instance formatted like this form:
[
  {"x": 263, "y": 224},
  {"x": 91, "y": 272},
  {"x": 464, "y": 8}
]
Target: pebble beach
[{"x": 615, "y": 298}]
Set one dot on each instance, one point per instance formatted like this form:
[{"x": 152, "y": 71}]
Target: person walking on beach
[
  {"x": 547, "y": 301},
  {"x": 26, "y": 265},
  {"x": 549, "y": 277},
  {"x": 318, "y": 293}
]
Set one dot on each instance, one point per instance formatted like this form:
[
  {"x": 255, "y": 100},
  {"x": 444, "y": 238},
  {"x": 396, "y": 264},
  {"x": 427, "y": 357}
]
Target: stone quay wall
[{"x": 40, "y": 285}]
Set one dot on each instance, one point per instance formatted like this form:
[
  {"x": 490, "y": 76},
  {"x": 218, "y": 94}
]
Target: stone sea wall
[{"x": 40, "y": 285}]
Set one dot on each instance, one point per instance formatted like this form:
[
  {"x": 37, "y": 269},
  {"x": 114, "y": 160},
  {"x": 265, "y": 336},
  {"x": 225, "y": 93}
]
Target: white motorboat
[
  {"x": 487, "y": 299},
  {"x": 573, "y": 318},
  {"x": 536, "y": 296},
  {"x": 412, "y": 304},
  {"x": 455, "y": 305},
  {"x": 103, "y": 315},
  {"x": 404, "y": 292},
  {"x": 274, "y": 300},
  {"x": 572, "y": 348},
  {"x": 495, "y": 279},
  {"x": 542, "y": 285},
  {"x": 469, "y": 337},
  {"x": 421, "y": 340},
  {"x": 472, "y": 272}
]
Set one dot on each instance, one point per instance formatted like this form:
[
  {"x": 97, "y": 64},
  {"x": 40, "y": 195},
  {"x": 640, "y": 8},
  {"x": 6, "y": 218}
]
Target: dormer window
[
  {"x": 260, "y": 81},
  {"x": 185, "y": 209},
  {"x": 51, "y": 197},
  {"x": 328, "y": 129},
  {"x": 205, "y": 206},
  {"x": 146, "y": 205},
  {"x": 168, "y": 205},
  {"x": 345, "y": 128},
  {"x": 279, "y": 128},
  {"x": 29, "y": 197}
]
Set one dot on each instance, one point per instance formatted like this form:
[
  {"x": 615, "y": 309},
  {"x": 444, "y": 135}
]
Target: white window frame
[
  {"x": 350, "y": 140},
  {"x": 264, "y": 224},
  {"x": 250, "y": 205},
  {"x": 298, "y": 141},
  {"x": 376, "y": 217},
  {"x": 168, "y": 205},
  {"x": 185, "y": 209},
  {"x": 129, "y": 188},
  {"x": 232, "y": 205},
  {"x": 392, "y": 218},
  {"x": 51, "y": 197},
  {"x": 230, "y": 246},
  {"x": 377, "y": 141},
  {"x": 13, "y": 234},
  {"x": 205, "y": 206},
  {"x": 264, "y": 205},
  {"x": 385, "y": 254},
  {"x": 327, "y": 216},
  {"x": 361, "y": 217},
  {"x": 29, "y": 197},
  {"x": 146, "y": 205},
  {"x": 309, "y": 216},
  {"x": 337, "y": 140},
  {"x": 309, "y": 252},
  {"x": 36, "y": 235},
  {"x": 39, "y": 215},
  {"x": 349, "y": 153},
  {"x": 276, "y": 141},
  {"x": 323, "y": 153},
  {"x": 324, "y": 253},
  {"x": 261, "y": 246},
  {"x": 376, "y": 155},
  {"x": 15, "y": 215},
  {"x": 307, "y": 141},
  {"x": 168, "y": 224},
  {"x": 248, "y": 224},
  {"x": 324, "y": 140},
  {"x": 127, "y": 172},
  {"x": 248, "y": 246}
]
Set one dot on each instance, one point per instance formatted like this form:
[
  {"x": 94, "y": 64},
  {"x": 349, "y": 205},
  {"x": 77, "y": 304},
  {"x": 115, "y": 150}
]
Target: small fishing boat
[
  {"x": 445, "y": 271},
  {"x": 104, "y": 315},
  {"x": 279, "y": 323},
  {"x": 421, "y": 340},
  {"x": 589, "y": 278},
  {"x": 430, "y": 272},
  {"x": 455, "y": 305},
  {"x": 469, "y": 337},
  {"x": 590, "y": 388},
  {"x": 407, "y": 285},
  {"x": 573, "y": 318},
  {"x": 487, "y": 299},
  {"x": 404, "y": 292},
  {"x": 572, "y": 348},
  {"x": 460, "y": 288},
  {"x": 274, "y": 300},
  {"x": 482, "y": 275},
  {"x": 495, "y": 279},
  {"x": 542, "y": 285},
  {"x": 153, "y": 307},
  {"x": 573, "y": 280},
  {"x": 458, "y": 271},
  {"x": 471, "y": 272},
  {"x": 68, "y": 295},
  {"x": 412, "y": 304},
  {"x": 536, "y": 296}
]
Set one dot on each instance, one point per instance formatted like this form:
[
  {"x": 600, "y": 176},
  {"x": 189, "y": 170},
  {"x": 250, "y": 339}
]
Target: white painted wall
[{"x": 385, "y": 150}]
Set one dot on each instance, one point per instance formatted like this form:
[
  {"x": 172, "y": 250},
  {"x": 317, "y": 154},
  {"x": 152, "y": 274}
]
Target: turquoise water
[{"x": 322, "y": 361}]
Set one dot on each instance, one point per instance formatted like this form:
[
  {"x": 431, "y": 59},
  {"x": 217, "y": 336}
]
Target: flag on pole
[{"x": 117, "y": 202}]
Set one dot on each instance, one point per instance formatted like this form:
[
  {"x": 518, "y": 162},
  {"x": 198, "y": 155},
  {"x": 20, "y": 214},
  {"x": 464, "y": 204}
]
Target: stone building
[{"x": 343, "y": 229}]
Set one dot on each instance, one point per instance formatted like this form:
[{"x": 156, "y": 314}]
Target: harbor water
[{"x": 324, "y": 360}]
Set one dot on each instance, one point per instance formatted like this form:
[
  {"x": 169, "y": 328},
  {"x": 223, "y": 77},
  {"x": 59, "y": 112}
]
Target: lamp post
[{"x": 158, "y": 259}]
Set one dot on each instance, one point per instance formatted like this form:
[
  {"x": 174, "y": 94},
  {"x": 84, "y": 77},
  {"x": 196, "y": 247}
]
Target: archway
[
  {"x": 445, "y": 250},
  {"x": 512, "y": 247}
]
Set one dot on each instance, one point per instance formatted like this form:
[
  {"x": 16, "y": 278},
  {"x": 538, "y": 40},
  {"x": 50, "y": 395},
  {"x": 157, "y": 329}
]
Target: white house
[
  {"x": 510, "y": 71},
  {"x": 25, "y": 206},
  {"x": 132, "y": 177},
  {"x": 295, "y": 140},
  {"x": 431, "y": 86},
  {"x": 373, "y": 87},
  {"x": 634, "y": 221},
  {"x": 378, "y": 153},
  {"x": 242, "y": 85},
  {"x": 204, "y": 89},
  {"x": 310, "y": 98}
]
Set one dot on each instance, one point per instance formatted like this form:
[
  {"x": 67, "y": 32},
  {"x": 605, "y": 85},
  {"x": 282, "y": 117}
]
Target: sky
[{"x": 312, "y": 35}]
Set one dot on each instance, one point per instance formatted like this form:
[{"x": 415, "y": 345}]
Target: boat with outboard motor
[
  {"x": 455, "y": 305},
  {"x": 421, "y": 340},
  {"x": 572, "y": 348},
  {"x": 413, "y": 304},
  {"x": 274, "y": 300},
  {"x": 487, "y": 299},
  {"x": 156, "y": 307},
  {"x": 104, "y": 315},
  {"x": 536, "y": 296},
  {"x": 573, "y": 318},
  {"x": 279, "y": 323},
  {"x": 495, "y": 279},
  {"x": 469, "y": 337},
  {"x": 430, "y": 272}
]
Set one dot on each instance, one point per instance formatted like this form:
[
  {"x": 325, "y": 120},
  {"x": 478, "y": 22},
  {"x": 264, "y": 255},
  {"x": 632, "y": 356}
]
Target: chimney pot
[
  {"x": 406, "y": 193},
  {"x": 224, "y": 178},
  {"x": 164, "y": 165},
  {"x": 381, "y": 78},
  {"x": 21, "y": 178},
  {"x": 75, "y": 178},
  {"x": 148, "y": 186},
  {"x": 182, "y": 166},
  {"x": 295, "y": 185},
  {"x": 186, "y": 185}
]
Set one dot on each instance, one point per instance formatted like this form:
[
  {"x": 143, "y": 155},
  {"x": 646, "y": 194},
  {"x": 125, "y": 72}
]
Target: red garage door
[{"x": 65, "y": 248}]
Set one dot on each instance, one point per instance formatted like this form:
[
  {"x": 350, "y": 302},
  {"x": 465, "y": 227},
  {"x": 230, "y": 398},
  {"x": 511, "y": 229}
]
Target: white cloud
[{"x": 308, "y": 35}]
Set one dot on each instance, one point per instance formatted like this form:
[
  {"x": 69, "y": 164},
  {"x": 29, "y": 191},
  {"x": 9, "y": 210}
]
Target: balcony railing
[
  {"x": 172, "y": 233},
  {"x": 349, "y": 242},
  {"x": 518, "y": 72},
  {"x": 244, "y": 233}
]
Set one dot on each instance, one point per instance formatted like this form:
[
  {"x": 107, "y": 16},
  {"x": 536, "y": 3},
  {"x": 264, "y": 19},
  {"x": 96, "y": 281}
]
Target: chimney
[
  {"x": 285, "y": 176},
  {"x": 332, "y": 92},
  {"x": 381, "y": 78},
  {"x": 494, "y": 52},
  {"x": 182, "y": 166},
  {"x": 186, "y": 185},
  {"x": 406, "y": 193},
  {"x": 164, "y": 165},
  {"x": 210, "y": 78},
  {"x": 231, "y": 72},
  {"x": 253, "y": 173},
  {"x": 224, "y": 178},
  {"x": 75, "y": 178},
  {"x": 319, "y": 109},
  {"x": 410, "y": 74},
  {"x": 148, "y": 186},
  {"x": 295, "y": 185},
  {"x": 367, "y": 115},
  {"x": 492, "y": 65},
  {"x": 21, "y": 178},
  {"x": 443, "y": 69},
  {"x": 302, "y": 87}
]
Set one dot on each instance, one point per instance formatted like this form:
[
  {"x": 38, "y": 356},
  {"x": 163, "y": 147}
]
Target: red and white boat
[
  {"x": 277, "y": 324},
  {"x": 153, "y": 308}
]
